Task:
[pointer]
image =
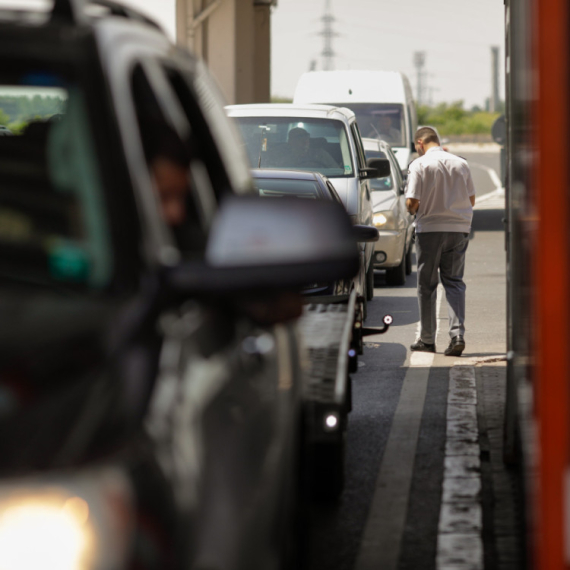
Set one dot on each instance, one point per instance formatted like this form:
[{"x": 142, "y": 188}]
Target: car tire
[
  {"x": 370, "y": 282},
  {"x": 397, "y": 275},
  {"x": 409, "y": 262}
]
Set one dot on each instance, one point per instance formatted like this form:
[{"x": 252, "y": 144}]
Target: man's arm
[
  {"x": 412, "y": 205},
  {"x": 472, "y": 198}
]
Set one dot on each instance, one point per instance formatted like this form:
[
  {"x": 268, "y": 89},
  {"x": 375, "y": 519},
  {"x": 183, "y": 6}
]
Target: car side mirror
[
  {"x": 365, "y": 234},
  {"x": 376, "y": 168},
  {"x": 259, "y": 244}
]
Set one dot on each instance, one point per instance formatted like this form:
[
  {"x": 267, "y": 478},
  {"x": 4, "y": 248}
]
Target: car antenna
[{"x": 70, "y": 11}]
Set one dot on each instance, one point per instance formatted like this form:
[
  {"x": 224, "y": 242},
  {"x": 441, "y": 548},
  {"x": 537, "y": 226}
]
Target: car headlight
[
  {"x": 80, "y": 524},
  {"x": 385, "y": 220}
]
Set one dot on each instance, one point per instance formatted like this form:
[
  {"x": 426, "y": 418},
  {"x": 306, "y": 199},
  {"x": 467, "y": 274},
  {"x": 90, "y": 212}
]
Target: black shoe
[
  {"x": 421, "y": 346},
  {"x": 456, "y": 346}
]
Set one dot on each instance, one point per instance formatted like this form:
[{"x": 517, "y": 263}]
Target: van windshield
[
  {"x": 297, "y": 143},
  {"x": 380, "y": 121}
]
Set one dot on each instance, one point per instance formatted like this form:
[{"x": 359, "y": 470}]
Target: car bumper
[{"x": 389, "y": 249}]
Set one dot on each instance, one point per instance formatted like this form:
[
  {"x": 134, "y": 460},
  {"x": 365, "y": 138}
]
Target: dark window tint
[
  {"x": 54, "y": 221},
  {"x": 277, "y": 188}
]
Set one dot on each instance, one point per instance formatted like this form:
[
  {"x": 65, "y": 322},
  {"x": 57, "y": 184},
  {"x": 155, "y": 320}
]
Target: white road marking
[
  {"x": 459, "y": 542},
  {"x": 459, "y": 539},
  {"x": 490, "y": 171},
  {"x": 380, "y": 548}
]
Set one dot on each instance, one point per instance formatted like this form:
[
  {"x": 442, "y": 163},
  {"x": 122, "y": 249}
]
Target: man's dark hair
[
  {"x": 298, "y": 132},
  {"x": 426, "y": 135}
]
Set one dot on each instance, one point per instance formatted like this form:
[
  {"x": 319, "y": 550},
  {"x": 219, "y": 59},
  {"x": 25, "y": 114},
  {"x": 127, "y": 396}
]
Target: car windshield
[
  {"x": 278, "y": 188},
  {"x": 385, "y": 183},
  {"x": 54, "y": 231},
  {"x": 380, "y": 121},
  {"x": 317, "y": 145}
]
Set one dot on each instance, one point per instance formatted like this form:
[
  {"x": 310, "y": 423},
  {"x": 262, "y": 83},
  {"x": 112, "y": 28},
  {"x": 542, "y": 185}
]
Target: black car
[
  {"x": 149, "y": 379},
  {"x": 310, "y": 186}
]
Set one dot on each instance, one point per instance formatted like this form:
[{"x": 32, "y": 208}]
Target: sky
[{"x": 456, "y": 36}]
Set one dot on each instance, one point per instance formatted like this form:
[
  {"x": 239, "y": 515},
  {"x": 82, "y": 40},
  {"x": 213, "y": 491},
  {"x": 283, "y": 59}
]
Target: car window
[
  {"x": 385, "y": 183},
  {"x": 297, "y": 143},
  {"x": 222, "y": 130},
  {"x": 380, "y": 121},
  {"x": 54, "y": 221},
  {"x": 359, "y": 147},
  {"x": 169, "y": 152},
  {"x": 278, "y": 188}
]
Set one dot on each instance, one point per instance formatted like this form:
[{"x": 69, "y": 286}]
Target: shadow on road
[
  {"x": 411, "y": 280},
  {"x": 487, "y": 221}
]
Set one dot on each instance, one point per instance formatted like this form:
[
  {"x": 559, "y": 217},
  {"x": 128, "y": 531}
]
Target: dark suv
[{"x": 149, "y": 379}]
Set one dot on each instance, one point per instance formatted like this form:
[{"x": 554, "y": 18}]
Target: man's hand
[{"x": 412, "y": 205}]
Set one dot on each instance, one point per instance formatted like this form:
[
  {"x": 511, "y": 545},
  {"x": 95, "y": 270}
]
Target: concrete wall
[{"x": 234, "y": 38}]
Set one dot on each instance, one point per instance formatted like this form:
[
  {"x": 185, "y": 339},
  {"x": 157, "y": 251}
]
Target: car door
[
  {"x": 223, "y": 410},
  {"x": 365, "y": 198},
  {"x": 399, "y": 184}
]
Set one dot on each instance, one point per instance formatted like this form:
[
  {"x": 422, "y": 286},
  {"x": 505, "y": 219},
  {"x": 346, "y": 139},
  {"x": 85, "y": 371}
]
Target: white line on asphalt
[
  {"x": 459, "y": 543},
  {"x": 380, "y": 548},
  {"x": 491, "y": 172}
]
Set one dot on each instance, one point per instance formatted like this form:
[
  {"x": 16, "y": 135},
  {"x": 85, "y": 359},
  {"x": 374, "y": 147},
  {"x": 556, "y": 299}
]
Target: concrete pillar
[{"x": 233, "y": 37}]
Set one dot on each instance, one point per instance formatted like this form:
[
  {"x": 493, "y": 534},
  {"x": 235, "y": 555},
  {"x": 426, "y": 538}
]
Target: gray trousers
[{"x": 443, "y": 252}]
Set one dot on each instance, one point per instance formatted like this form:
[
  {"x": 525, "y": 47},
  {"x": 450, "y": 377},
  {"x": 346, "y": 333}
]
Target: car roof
[
  {"x": 356, "y": 86},
  {"x": 373, "y": 144},
  {"x": 290, "y": 110},
  {"x": 90, "y": 13}
]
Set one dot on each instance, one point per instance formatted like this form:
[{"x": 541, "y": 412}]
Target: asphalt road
[{"x": 336, "y": 530}]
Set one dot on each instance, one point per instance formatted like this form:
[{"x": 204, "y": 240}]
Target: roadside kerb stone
[
  {"x": 460, "y": 546},
  {"x": 461, "y": 447},
  {"x": 461, "y": 490},
  {"x": 459, "y": 551}
]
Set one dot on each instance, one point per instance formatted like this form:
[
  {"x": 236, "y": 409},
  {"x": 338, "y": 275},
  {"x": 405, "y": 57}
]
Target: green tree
[{"x": 4, "y": 118}]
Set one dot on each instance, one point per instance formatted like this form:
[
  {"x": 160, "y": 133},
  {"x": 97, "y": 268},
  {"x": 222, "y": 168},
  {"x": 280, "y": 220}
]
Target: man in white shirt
[{"x": 442, "y": 195}]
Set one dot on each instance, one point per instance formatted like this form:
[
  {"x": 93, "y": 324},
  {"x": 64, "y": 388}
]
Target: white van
[{"x": 381, "y": 100}]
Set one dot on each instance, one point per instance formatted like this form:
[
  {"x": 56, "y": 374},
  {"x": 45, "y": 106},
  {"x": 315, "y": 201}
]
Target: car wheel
[
  {"x": 409, "y": 260},
  {"x": 370, "y": 282},
  {"x": 397, "y": 275}
]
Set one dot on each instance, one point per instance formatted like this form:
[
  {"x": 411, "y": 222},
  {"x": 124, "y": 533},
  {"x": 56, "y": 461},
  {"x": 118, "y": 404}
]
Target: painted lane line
[
  {"x": 380, "y": 548},
  {"x": 459, "y": 542},
  {"x": 491, "y": 172}
]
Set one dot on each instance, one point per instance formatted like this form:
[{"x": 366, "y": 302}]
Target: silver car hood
[
  {"x": 383, "y": 200},
  {"x": 347, "y": 190}
]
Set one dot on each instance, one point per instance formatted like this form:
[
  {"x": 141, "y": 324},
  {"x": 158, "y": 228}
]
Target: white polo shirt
[{"x": 442, "y": 182}]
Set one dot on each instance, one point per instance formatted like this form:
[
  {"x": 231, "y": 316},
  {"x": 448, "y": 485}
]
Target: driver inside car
[{"x": 299, "y": 153}]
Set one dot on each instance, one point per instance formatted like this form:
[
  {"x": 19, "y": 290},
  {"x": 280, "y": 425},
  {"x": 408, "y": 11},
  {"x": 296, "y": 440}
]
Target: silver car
[
  {"x": 318, "y": 138},
  {"x": 393, "y": 251}
]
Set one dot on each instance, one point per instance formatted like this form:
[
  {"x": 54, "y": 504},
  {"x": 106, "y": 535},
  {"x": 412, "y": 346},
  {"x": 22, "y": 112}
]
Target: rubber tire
[
  {"x": 397, "y": 275},
  {"x": 409, "y": 260},
  {"x": 370, "y": 282}
]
